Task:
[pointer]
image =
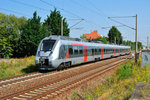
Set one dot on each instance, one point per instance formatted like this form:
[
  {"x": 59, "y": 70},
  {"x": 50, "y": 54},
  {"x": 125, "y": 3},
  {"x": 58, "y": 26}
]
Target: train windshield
[{"x": 47, "y": 45}]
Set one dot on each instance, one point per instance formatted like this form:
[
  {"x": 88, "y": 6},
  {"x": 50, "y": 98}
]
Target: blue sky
[{"x": 94, "y": 12}]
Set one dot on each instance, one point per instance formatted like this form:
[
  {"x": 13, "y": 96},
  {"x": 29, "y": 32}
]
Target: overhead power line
[
  {"x": 122, "y": 17},
  {"x": 111, "y": 26},
  {"x": 14, "y": 12},
  {"x": 60, "y": 8},
  {"x": 29, "y": 5},
  {"x": 99, "y": 10},
  {"x": 136, "y": 43},
  {"x": 120, "y": 22},
  {"x": 67, "y": 12},
  {"x": 76, "y": 23}
]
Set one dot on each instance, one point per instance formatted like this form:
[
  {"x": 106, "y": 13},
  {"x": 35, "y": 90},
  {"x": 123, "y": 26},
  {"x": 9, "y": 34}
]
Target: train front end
[{"x": 45, "y": 56}]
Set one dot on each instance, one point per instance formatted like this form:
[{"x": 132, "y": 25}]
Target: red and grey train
[{"x": 58, "y": 52}]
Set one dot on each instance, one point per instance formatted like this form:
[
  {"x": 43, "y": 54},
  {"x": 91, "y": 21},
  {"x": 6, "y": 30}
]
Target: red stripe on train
[
  {"x": 102, "y": 52},
  {"x": 114, "y": 51},
  {"x": 67, "y": 54}
]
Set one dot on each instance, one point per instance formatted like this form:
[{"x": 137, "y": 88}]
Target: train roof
[{"x": 55, "y": 37}]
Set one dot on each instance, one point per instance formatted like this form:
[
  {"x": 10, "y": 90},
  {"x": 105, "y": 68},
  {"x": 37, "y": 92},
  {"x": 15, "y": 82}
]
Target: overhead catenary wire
[
  {"x": 76, "y": 23},
  {"x": 122, "y": 17},
  {"x": 60, "y": 8},
  {"x": 91, "y": 10},
  {"x": 121, "y": 23},
  {"x": 29, "y": 5},
  {"x": 98, "y": 9},
  {"x": 14, "y": 12},
  {"x": 69, "y": 12},
  {"x": 111, "y": 26}
]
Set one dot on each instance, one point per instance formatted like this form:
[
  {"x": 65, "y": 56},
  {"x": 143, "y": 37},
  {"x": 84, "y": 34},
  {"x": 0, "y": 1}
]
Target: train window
[
  {"x": 75, "y": 50},
  {"x": 89, "y": 51},
  {"x": 106, "y": 51},
  {"x": 109, "y": 51},
  {"x": 92, "y": 51},
  {"x": 47, "y": 45},
  {"x": 80, "y": 50},
  {"x": 96, "y": 51},
  {"x": 99, "y": 50},
  {"x": 62, "y": 52},
  {"x": 70, "y": 50}
]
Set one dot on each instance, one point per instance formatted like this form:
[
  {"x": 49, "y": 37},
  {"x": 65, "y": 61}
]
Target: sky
[{"x": 85, "y": 16}]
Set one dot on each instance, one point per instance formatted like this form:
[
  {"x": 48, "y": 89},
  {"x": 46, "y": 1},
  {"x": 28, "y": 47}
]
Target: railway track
[
  {"x": 17, "y": 78},
  {"x": 67, "y": 80}
]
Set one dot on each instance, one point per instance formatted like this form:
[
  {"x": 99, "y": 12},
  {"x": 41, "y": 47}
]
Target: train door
[{"x": 62, "y": 52}]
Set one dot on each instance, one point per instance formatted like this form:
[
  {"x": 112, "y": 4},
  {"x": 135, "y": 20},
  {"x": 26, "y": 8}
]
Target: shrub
[{"x": 125, "y": 71}]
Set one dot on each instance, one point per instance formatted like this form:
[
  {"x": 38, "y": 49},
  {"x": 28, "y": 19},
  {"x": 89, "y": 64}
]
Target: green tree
[
  {"x": 115, "y": 33},
  {"x": 31, "y": 36},
  {"x": 53, "y": 24},
  {"x": 132, "y": 44},
  {"x": 10, "y": 29},
  {"x": 103, "y": 39},
  {"x": 5, "y": 48},
  {"x": 83, "y": 36}
]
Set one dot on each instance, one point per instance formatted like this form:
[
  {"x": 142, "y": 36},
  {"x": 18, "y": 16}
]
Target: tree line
[
  {"x": 114, "y": 36},
  {"x": 20, "y": 37}
]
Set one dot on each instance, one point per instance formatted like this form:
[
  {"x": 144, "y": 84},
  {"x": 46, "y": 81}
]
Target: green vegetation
[
  {"x": 83, "y": 36},
  {"x": 121, "y": 84},
  {"x": 13, "y": 67},
  {"x": 10, "y": 29},
  {"x": 53, "y": 23},
  {"x": 132, "y": 44},
  {"x": 75, "y": 95},
  {"x": 115, "y": 33},
  {"x": 103, "y": 39},
  {"x": 20, "y": 37},
  {"x": 31, "y": 36}
]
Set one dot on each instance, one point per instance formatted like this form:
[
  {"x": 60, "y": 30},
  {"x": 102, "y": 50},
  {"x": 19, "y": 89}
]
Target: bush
[{"x": 125, "y": 71}]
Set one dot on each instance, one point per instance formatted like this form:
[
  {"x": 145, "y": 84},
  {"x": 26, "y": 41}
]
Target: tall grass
[
  {"x": 121, "y": 84},
  {"x": 17, "y": 67}
]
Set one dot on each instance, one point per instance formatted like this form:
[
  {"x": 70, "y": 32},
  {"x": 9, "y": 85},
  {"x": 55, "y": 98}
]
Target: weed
[
  {"x": 17, "y": 67},
  {"x": 125, "y": 71},
  {"x": 121, "y": 84},
  {"x": 75, "y": 95}
]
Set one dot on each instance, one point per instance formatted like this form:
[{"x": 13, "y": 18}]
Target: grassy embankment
[
  {"x": 120, "y": 85},
  {"x": 14, "y": 67}
]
